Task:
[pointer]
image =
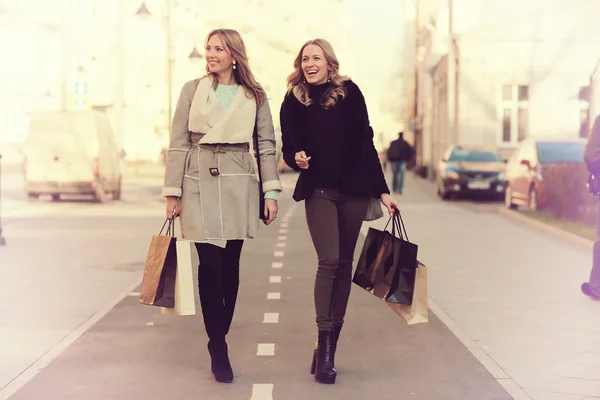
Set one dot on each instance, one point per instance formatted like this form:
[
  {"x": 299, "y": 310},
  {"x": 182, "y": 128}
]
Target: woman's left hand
[
  {"x": 270, "y": 210},
  {"x": 389, "y": 203}
]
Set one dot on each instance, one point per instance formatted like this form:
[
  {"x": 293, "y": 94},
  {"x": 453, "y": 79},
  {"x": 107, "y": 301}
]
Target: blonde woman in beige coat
[{"x": 210, "y": 178}]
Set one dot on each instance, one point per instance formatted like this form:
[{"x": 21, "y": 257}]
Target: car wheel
[
  {"x": 117, "y": 193},
  {"x": 443, "y": 194},
  {"x": 533, "y": 200},
  {"x": 33, "y": 197},
  {"x": 55, "y": 197},
  {"x": 508, "y": 202}
]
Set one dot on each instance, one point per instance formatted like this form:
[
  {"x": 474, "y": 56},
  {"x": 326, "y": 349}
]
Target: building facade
[{"x": 518, "y": 73}]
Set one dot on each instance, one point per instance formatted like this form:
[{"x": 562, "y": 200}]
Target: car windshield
[
  {"x": 461, "y": 155},
  {"x": 560, "y": 152}
]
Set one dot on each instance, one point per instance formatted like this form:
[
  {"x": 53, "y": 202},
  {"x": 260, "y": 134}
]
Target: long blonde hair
[
  {"x": 242, "y": 73},
  {"x": 297, "y": 84}
]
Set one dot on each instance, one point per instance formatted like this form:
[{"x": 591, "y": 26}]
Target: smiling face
[
  {"x": 218, "y": 56},
  {"x": 314, "y": 65}
]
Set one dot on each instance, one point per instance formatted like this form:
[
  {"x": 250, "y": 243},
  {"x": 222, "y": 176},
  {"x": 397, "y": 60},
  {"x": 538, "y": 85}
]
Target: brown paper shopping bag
[
  {"x": 185, "y": 302},
  {"x": 418, "y": 311},
  {"x": 160, "y": 269}
]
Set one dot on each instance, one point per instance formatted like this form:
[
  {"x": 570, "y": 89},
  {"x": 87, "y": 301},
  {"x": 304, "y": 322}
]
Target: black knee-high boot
[
  {"x": 231, "y": 278},
  {"x": 230, "y": 291},
  {"x": 215, "y": 320}
]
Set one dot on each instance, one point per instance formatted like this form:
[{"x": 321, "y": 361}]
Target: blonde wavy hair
[
  {"x": 298, "y": 86},
  {"x": 242, "y": 73}
]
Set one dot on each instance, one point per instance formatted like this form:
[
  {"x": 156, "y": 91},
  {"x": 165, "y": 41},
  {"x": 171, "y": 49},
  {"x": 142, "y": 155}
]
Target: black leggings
[
  {"x": 334, "y": 220},
  {"x": 218, "y": 282}
]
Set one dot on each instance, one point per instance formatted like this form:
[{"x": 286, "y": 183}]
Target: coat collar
[{"x": 207, "y": 108}]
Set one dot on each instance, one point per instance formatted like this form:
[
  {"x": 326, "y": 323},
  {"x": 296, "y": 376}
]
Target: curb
[{"x": 562, "y": 234}]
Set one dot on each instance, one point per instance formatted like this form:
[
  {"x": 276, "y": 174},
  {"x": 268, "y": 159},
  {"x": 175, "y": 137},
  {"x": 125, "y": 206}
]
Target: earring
[
  {"x": 304, "y": 80},
  {"x": 234, "y": 67},
  {"x": 329, "y": 76}
]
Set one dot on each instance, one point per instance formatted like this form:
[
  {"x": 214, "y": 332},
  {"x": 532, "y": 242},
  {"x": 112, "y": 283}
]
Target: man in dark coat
[
  {"x": 398, "y": 154},
  {"x": 591, "y": 156}
]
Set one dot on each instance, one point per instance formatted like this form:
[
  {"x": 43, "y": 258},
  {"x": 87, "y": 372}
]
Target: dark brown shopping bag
[
  {"x": 160, "y": 269},
  {"x": 388, "y": 263},
  {"x": 418, "y": 311}
]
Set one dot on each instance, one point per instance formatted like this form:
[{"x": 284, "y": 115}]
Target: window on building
[
  {"x": 506, "y": 128},
  {"x": 515, "y": 113}
]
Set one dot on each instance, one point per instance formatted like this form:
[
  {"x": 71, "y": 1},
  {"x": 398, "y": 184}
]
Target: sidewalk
[
  {"x": 512, "y": 294},
  {"x": 136, "y": 353}
]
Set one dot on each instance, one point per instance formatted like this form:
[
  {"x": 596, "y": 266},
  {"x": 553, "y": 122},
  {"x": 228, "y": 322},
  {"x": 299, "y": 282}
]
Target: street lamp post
[
  {"x": 195, "y": 55},
  {"x": 2, "y": 239}
]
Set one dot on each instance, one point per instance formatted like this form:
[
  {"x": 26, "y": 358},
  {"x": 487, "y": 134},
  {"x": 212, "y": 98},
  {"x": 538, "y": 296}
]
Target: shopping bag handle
[
  {"x": 170, "y": 228},
  {"x": 400, "y": 223},
  {"x": 397, "y": 223}
]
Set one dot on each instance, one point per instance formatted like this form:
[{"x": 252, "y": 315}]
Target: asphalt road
[{"x": 67, "y": 266}]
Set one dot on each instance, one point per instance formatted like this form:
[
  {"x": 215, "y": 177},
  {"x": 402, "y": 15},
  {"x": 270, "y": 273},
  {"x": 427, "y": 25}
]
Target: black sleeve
[
  {"x": 361, "y": 121},
  {"x": 288, "y": 143}
]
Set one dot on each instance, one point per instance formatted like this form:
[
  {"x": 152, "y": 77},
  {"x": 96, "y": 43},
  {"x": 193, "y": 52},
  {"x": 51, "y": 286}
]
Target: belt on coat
[
  {"x": 224, "y": 147},
  {"x": 216, "y": 148}
]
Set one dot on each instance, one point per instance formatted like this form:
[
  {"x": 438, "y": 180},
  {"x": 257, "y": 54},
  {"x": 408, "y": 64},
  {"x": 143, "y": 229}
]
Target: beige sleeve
[
  {"x": 179, "y": 144},
  {"x": 266, "y": 146}
]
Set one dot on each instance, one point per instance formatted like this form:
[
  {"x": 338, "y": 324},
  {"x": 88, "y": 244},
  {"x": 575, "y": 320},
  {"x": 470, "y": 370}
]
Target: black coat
[
  {"x": 361, "y": 172},
  {"x": 399, "y": 151}
]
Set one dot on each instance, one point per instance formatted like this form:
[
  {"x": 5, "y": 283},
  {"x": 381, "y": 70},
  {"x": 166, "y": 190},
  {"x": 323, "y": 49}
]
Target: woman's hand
[
  {"x": 173, "y": 207},
  {"x": 270, "y": 210},
  {"x": 389, "y": 203},
  {"x": 302, "y": 160}
]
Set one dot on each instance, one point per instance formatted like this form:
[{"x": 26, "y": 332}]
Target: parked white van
[{"x": 71, "y": 152}]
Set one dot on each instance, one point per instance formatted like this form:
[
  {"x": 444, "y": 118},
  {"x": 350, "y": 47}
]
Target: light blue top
[{"x": 225, "y": 95}]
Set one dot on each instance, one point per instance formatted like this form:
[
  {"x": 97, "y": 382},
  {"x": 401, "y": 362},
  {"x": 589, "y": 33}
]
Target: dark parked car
[
  {"x": 470, "y": 170},
  {"x": 526, "y": 167}
]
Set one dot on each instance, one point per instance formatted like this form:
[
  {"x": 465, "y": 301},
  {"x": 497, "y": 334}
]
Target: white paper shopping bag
[
  {"x": 185, "y": 303},
  {"x": 418, "y": 311}
]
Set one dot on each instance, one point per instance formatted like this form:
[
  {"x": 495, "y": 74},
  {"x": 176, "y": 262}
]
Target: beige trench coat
[{"x": 215, "y": 209}]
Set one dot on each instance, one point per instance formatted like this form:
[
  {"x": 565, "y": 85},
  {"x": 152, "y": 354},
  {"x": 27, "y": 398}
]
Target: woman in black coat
[{"x": 326, "y": 136}]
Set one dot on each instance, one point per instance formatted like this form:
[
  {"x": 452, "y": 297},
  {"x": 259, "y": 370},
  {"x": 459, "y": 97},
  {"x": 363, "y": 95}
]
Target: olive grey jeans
[{"x": 334, "y": 220}]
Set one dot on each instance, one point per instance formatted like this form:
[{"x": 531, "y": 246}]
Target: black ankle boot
[
  {"x": 325, "y": 369},
  {"x": 219, "y": 361},
  {"x": 336, "y": 332}
]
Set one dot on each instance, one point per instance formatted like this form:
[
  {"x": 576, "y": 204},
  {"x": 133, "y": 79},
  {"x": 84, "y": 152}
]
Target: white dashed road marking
[
  {"x": 271, "y": 318},
  {"x": 262, "y": 391},
  {"x": 266, "y": 349}
]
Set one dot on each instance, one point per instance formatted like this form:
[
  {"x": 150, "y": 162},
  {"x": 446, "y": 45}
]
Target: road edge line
[
  {"x": 497, "y": 373},
  {"x": 30, "y": 372}
]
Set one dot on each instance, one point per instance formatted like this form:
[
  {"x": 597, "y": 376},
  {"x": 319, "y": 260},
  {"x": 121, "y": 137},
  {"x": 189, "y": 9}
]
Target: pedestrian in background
[
  {"x": 398, "y": 155},
  {"x": 210, "y": 179},
  {"x": 326, "y": 136},
  {"x": 591, "y": 156}
]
